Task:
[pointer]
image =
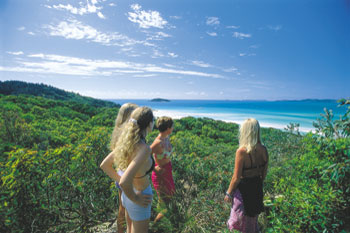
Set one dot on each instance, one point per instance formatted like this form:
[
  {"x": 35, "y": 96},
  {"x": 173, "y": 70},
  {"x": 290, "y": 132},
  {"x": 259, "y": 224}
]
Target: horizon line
[{"x": 306, "y": 99}]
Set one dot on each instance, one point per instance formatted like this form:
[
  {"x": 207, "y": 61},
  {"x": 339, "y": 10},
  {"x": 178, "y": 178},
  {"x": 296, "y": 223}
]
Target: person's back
[
  {"x": 255, "y": 162},
  {"x": 245, "y": 191},
  {"x": 251, "y": 184},
  {"x": 133, "y": 156}
]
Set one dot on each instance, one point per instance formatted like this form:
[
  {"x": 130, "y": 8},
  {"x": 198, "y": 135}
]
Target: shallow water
[{"x": 276, "y": 114}]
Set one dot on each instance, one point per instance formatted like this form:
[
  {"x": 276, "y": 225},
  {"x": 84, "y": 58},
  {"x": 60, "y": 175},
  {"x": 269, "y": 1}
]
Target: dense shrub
[
  {"x": 49, "y": 166},
  {"x": 311, "y": 196}
]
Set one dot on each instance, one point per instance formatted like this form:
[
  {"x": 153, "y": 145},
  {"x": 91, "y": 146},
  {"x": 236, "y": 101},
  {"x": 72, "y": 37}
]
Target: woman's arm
[
  {"x": 126, "y": 182},
  {"x": 236, "y": 178},
  {"x": 156, "y": 150},
  {"x": 107, "y": 167},
  {"x": 266, "y": 165}
]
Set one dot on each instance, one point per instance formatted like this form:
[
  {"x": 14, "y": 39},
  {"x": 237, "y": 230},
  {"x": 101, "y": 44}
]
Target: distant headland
[{"x": 159, "y": 100}]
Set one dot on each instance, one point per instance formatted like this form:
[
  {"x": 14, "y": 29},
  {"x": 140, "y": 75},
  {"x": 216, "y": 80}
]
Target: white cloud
[
  {"x": 100, "y": 15},
  {"x": 173, "y": 55},
  {"x": 57, "y": 64},
  {"x": 157, "y": 35},
  {"x": 146, "y": 19},
  {"x": 247, "y": 54},
  {"x": 15, "y": 53},
  {"x": 143, "y": 75},
  {"x": 162, "y": 34},
  {"x": 119, "y": 71},
  {"x": 213, "y": 21},
  {"x": 233, "y": 27},
  {"x": 157, "y": 54},
  {"x": 31, "y": 33},
  {"x": 135, "y": 7},
  {"x": 21, "y": 28},
  {"x": 175, "y": 17},
  {"x": 231, "y": 69},
  {"x": 131, "y": 93},
  {"x": 126, "y": 49},
  {"x": 196, "y": 93},
  {"x": 73, "y": 29},
  {"x": 157, "y": 69},
  {"x": 212, "y": 33},
  {"x": 169, "y": 65},
  {"x": 201, "y": 64},
  {"x": 275, "y": 28},
  {"x": 133, "y": 55},
  {"x": 89, "y": 8},
  {"x": 240, "y": 35}
]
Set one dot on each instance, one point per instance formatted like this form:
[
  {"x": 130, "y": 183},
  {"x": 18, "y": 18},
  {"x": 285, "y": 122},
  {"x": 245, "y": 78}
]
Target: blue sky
[{"x": 180, "y": 49}]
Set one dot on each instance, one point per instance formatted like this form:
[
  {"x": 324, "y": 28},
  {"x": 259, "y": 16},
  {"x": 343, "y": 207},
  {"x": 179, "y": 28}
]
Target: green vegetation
[
  {"x": 51, "y": 148},
  {"x": 159, "y": 100},
  {"x": 23, "y": 88}
]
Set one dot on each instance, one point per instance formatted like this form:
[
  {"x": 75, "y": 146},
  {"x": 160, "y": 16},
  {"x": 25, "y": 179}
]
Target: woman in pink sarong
[
  {"x": 162, "y": 176},
  {"x": 245, "y": 192}
]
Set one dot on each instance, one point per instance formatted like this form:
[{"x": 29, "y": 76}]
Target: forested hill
[{"x": 19, "y": 87}]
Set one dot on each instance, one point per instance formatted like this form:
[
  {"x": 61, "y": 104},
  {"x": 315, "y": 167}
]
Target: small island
[{"x": 159, "y": 100}]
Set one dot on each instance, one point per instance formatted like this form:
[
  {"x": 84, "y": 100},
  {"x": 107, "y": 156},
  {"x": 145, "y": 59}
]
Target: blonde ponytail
[
  {"x": 131, "y": 134},
  {"x": 123, "y": 116}
]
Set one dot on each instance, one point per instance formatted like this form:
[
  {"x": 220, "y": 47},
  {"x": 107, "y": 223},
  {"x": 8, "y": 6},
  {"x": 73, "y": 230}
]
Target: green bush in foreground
[
  {"x": 312, "y": 197},
  {"x": 49, "y": 165}
]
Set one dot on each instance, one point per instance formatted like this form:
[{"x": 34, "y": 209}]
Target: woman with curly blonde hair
[
  {"x": 245, "y": 191},
  {"x": 133, "y": 156},
  {"x": 107, "y": 164}
]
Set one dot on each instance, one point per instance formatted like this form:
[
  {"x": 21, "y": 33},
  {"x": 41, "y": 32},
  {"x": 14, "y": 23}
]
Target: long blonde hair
[
  {"x": 249, "y": 134},
  {"x": 123, "y": 116},
  {"x": 132, "y": 132}
]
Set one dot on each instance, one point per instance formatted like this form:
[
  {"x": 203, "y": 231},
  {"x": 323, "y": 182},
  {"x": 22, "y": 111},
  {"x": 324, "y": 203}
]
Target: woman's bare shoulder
[
  {"x": 156, "y": 143},
  {"x": 143, "y": 147},
  {"x": 242, "y": 151}
]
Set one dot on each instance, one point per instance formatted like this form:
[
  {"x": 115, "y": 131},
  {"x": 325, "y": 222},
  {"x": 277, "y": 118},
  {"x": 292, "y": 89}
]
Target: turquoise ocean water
[{"x": 276, "y": 114}]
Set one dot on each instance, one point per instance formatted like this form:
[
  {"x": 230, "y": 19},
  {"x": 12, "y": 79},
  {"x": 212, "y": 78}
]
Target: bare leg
[
  {"x": 140, "y": 226},
  {"x": 121, "y": 215},
  {"x": 129, "y": 222},
  {"x": 163, "y": 201},
  {"x": 159, "y": 217}
]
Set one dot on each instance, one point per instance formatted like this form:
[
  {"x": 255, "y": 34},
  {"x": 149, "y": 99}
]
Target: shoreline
[
  {"x": 277, "y": 114},
  {"x": 238, "y": 120}
]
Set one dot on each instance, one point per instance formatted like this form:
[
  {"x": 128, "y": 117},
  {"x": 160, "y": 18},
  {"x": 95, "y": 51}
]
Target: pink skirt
[
  {"x": 164, "y": 182},
  {"x": 239, "y": 221}
]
